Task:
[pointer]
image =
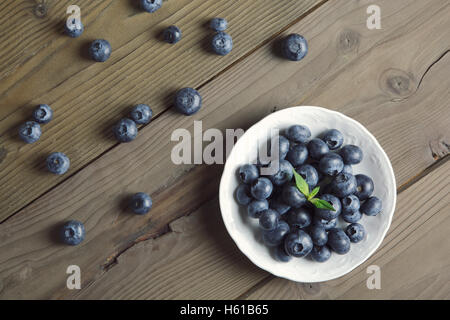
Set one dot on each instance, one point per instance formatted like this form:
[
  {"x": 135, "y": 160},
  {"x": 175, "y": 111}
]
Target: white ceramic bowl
[{"x": 245, "y": 231}]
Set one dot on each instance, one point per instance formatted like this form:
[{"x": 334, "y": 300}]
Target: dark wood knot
[
  {"x": 40, "y": 10},
  {"x": 397, "y": 83},
  {"x": 348, "y": 41}
]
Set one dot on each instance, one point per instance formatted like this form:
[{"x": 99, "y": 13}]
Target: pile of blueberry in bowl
[{"x": 326, "y": 206}]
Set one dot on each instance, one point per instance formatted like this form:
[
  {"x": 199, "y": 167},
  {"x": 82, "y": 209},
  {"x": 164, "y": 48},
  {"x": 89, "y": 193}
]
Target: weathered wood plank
[
  {"x": 414, "y": 260},
  {"x": 89, "y": 97},
  {"x": 234, "y": 100}
]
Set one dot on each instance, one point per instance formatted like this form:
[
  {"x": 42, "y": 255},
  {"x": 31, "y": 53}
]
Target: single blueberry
[
  {"x": 329, "y": 214},
  {"x": 125, "y": 130},
  {"x": 338, "y": 241},
  {"x": 327, "y": 224},
  {"x": 351, "y": 154},
  {"x": 188, "y": 101},
  {"x": 74, "y": 28},
  {"x": 151, "y": 5},
  {"x": 300, "y": 217},
  {"x": 58, "y": 163},
  {"x": 43, "y": 113},
  {"x": 347, "y": 169},
  {"x": 261, "y": 188},
  {"x": 372, "y": 206},
  {"x": 355, "y": 232},
  {"x": 255, "y": 208},
  {"x": 350, "y": 204},
  {"x": 293, "y": 197},
  {"x": 219, "y": 24},
  {"x": 141, "y": 114},
  {"x": 298, "y": 133},
  {"x": 297, "y": 155},
  {"x": 279, "y": 205},
  {"x": 320, "y": 254},
  {"x": 172, "y": 34},
  {"x": 310, "y": 174},
  {"x": 344, "y": 184},
  {"x": 222, "y": 43},
  {"x": 331, "y": 164},
  {"x": 333, "y": 138},
  {"x": 141, "y": 203},
  {"x": 318, "y": 234},
  {"x": 30, "y": 131},
  {"x": 243, "y": 195},
  {"x": 281, "y": 255},
  {"x": 364, "y": 186},
  {"x": 100, "y": 50},
  {"x": 317, "y": 148},
  {"x": 284, "y": 174},
  {"x": 275, "y": 237},
  {"x": 298, "y": 243},
  {"x": 268, "y": 219},
  {"x": 294, "y": 47},
  {"x": 351, "y": 217},
  {"x": 248, "y": 173},
  {"x": 73, "y": 232}
]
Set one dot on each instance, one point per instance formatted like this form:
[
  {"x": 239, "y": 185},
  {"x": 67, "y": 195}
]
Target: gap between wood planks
[{"x": 243, "y": 57}]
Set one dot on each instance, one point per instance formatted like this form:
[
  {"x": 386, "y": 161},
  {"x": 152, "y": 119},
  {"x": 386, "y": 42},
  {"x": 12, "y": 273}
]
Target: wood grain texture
[
  {"x": 238, "y": 98},
  {"x": 88, "y": 97},
  {"x": 414, "y": 260}
]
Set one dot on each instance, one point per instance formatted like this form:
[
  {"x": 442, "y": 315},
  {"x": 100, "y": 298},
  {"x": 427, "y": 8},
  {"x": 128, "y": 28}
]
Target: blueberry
[
  {"x": 297, "y": 155},
  {"x": 327, "y": 224},
  {"x": 268, "y": 219},
  {"x": 222, "y": 43},
  {"x": 347, "y": 169},
  {"x": 141, "y": 203},
  {"x": 74, "y": 28},
  {"x": 310, "y": 174},
  {"x": 364, "y": 186},
  {"x": 275, "y": 237},
  {"x": 279, "y": 205},
  {"x": 372, "y": 206},
  {"x": 355, "y": 232},
  {"x": 333, "y": 138},
  {"x": 351, "y": 154},
  {"x": 255, "y": 208},
  {"x": 58, "y": 163},
  {"x": 243, "y": 195},
  {"x": 298, "y": 133},
  {"x": 30, "y": 132},
  {"x": 350, "y": 204},
  {"x": 283, "y": 146},
  {"x": 344, "y": 184},
  {"x": 298, "y": 243},
  {"x": 320, "y": 175},
  {"x": 317, "y": 148},
  {"x": 284, "y": 174},
  {"x": 331, "y": 164},
  {"x": 188, "y": 101},
  {"x": 299, "y": 217},
  {"x": 43, "y": 113},
  {"x": 281, "y": 255},
  {"x": 141, "y": 114},
  {"x": 151, "y": 5},
  {"x": 338, "y": 241},
  {"x": 294, "y": 47},
  {"x": 219, "y": 24},
  {"x": 351, "y": 217},
  {"x": 261, "y": 188},
  {"x": 329, "y": 214},
  {"x": 248, "y": 173},
  {"x": 125, "y": 130},
  {"x": 320, "y": 254},
  {"x": 293, "y": 197},
  {"x": 172, "y": 34},
  {"x": 318, "y": 234},
  {"x": 100, "y": 50},
  {"x": 73, "y": 232}
]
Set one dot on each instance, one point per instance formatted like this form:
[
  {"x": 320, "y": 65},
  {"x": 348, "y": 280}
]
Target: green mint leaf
[
  {"x": 322, "y": 204},
  {"x": 313, "y": 193},
  {"x": 301, "y": 184}
]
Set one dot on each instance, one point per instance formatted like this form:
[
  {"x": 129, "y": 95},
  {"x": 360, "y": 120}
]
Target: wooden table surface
[{"x": 395, "y": 81}]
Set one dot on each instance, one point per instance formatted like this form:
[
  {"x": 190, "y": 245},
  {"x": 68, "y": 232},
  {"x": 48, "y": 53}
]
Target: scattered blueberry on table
[
  {"x": 74, "y": 28},
  {"x": 218, "y": 24},
  {"x": 222, "y": 43},
  {"x": 294, "y": 47},
  {"x": 125, "y": 130},
  {"x": 141, "y": 114},
  {"x": 73, "y": 232},
  {"x": 141, "y": 203},
  {"x": 43, "y": 113},
  {"x": 172, "y": 34},
  {"x": 188, "y": 101},
  {"x": 151, "y": 5},
  {"x": 58, "y": 163},
  {"x": 100, "y": 50},
  {"x": 312, "y": 205},
  {"x": 30, "y": 131}
]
